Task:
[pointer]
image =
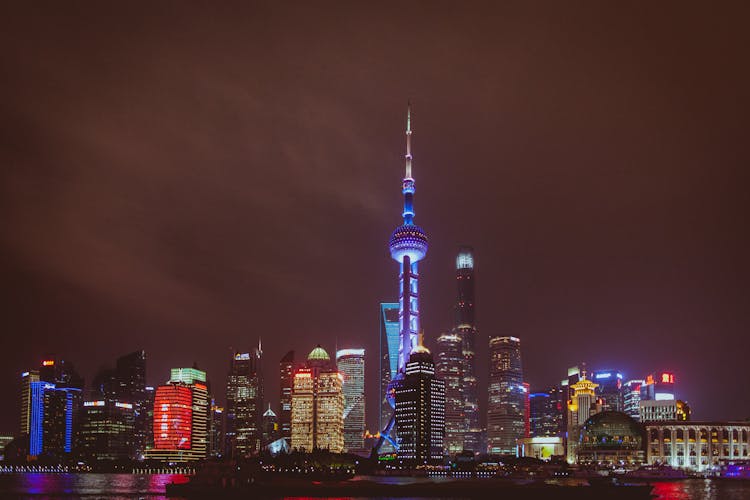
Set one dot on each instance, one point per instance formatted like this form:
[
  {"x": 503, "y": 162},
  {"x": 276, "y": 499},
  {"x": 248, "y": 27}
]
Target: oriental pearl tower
[{"x": 408, "y": 245}]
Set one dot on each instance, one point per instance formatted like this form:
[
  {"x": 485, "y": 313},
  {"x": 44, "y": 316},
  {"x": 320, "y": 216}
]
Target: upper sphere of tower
[{"x": 408, "y": 240}]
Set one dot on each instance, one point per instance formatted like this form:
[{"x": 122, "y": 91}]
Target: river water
[{"x": 152, "y": 486}]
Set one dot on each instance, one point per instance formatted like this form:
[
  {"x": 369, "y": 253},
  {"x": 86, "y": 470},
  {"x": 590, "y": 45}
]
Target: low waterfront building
[
  {"x": 610, "y": 438},
  {"x": 697, "y": 446},
  {"x": 541, "y": 447}
]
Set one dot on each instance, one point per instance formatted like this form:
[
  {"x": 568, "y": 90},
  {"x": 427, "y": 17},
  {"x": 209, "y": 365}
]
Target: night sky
[{"x": 187, "y": 179}]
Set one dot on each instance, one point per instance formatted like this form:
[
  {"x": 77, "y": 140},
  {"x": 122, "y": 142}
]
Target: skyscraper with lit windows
[
  {"x": 466, "y": 329},
  {"x": 286, "y": 380},
  {"x": 244, "y": 407},
  {"x": 449, "y": 367},
  {"x": 318, "y": 405},
  {"x": 420, "y": 411},
  {"x": 506, "y": 407},
  {"x": 351, "y": 366},
  {"x": 181, "y": 417}
]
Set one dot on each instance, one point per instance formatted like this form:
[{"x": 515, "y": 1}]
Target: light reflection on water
[
  {"x": 38, "y": 486},
  {"x": 701, "y": 489},
  {"x": 153, "y": 486}
]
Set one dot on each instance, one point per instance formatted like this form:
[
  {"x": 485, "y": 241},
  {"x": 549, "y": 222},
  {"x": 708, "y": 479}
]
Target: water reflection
[{"x": 110, "y": 485}]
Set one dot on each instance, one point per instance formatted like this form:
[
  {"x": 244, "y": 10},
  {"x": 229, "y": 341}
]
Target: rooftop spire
[{"x": 408, "y": 140}]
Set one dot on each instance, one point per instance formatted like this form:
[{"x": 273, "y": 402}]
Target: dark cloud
[{"x": 188, "y": 178}]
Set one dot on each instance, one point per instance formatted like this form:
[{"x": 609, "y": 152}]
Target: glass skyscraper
[
  {"x": 389, "y": 339},
  {"x": 449, "y": 367},
  {"x": 506, "y": 412},
  {"x": 351, "y": 365},
  {"x": 466, "y": 329},
  {"x": 244, "y": 407}
]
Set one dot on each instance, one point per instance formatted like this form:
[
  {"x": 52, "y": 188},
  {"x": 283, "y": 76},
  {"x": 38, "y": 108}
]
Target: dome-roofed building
[
  {"x": 611, "y": 437},
  {"x": 319, "y": 354}
]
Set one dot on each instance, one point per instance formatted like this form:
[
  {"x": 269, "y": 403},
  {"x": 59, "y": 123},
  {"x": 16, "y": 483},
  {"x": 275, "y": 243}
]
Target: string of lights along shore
[{"x": 429, "y": 412}]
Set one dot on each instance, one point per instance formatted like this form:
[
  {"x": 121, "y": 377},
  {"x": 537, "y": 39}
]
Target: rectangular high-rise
[
  {"x": 351, "y": 365},
  {"x": 420, "y": 412},
  {"x": 286, "y": 379},
  {"x": 181, "y": 417},
  {"x": 244, "y": 404},
  {"x": 506, "y": 407},
  {"x": 449, "y": 367},
  {"x": 318, "y": 405}
]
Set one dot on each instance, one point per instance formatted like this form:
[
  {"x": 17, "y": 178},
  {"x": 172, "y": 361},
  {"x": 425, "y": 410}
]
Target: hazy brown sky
[{"x": 188, "y": 178}]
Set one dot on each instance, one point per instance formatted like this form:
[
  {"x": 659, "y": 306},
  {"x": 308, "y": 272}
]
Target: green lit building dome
[{"x": 318, "y": 354}]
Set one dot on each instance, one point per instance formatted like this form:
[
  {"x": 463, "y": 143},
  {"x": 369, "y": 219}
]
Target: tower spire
[{"x": 408, "y": 141}]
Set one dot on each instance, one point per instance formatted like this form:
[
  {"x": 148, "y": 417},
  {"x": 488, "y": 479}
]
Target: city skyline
[{"x": 184, "y": 203}]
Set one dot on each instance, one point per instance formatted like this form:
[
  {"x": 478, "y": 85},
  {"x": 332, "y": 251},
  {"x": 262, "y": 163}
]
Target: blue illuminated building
[
  {"x": 408, "y": 245},
  {"x": 389, "y": 341},
  {"x": 54, "y": 413}
]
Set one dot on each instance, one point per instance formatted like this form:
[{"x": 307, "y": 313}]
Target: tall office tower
[
  {"x": 244, "y": 404},
  {"x": 26, "y": 379},
  {"x": 181, "y": 417},
  {"x": 658, "y": 387},
  {"x": 506, "y": 402},
  {"x": 351, "y": 365},
  {"x": 318, "y": 405},
  {"x": 270, "y": 427},
  {"x": 546, "y": 412},
  {"x": 130, "y": 372},
  {"x": 150, "y": 395},
  {"x": 389, "y": 342},
  {"x": 420, "y": 411},
  {"x": 107, "y": 430},
  {"x": 580, "y": 407},
  {"x": 216, "y": 440},
  {"x": 609, "y": 391},
  {"x": 286, "y": 370},
  {"x": 631, "y": 398},
  {"x": 449, "y": 368},
  {"x": 526, "y": 410},
  {"x": 408, "y": 245},
  {"x": 55, "y": 401},
  {"x": 466, "y": 329}
]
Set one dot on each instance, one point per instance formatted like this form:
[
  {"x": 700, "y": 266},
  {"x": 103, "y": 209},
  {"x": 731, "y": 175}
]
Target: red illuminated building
[{"x": 173, "y": 417}]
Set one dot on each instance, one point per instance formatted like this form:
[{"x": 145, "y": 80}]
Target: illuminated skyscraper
[
  {"x": 244, "y": 403},
  {"x": 26, "y": 379},
  {"x": 107, "y": 430},
  {"x": 130, "y": 373},
  {"x": 631, "y": 398},
  {"x": 181, "y": 417},
  {"x": 420, "y": 411},
  {"x": 286, "y": 379},
  {"x": 609, "y": 391},
  {"x": 318, "y": 405},
  {"x": 466, "y": 328},
  {"x": 54, "y": 406},
  {"x": 389, "y": 342},
  {"x": 408, "y": 245},
  {"x": 506, "y": 407},
  {"x": 450, "y": 369},
  {"x": 216, "y": 441},
  {"x": 351, "y": 365},
  {"x": 546, "y": 410}
]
